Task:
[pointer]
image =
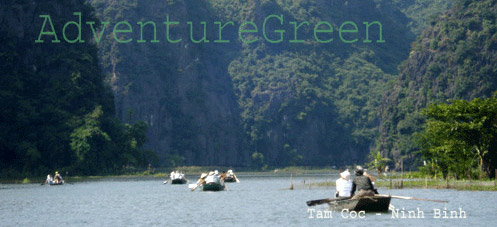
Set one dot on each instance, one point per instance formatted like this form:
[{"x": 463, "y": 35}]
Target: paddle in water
[
  {"x": 414, "y": 198},
  {"x": 322, "y": 201}
]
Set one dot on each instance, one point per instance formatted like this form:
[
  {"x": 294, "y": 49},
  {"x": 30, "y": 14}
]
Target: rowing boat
[
  {"x": 56, "y": 183},
  {"x": 230, "y": 179},
  {"x": 377, "y": 203},
  {"x": 177, "y": 177},
  {"x": 178, "y": 181}
]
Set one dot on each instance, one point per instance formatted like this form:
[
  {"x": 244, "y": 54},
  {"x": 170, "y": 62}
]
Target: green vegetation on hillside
[
  {"x": 260, "y": 105},
  {"x": 57, "y": 114},
  {"x": 453, "y": 59}
]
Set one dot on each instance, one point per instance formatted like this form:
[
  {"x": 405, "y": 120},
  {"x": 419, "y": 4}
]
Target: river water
[{"x": 255, "y": 201}]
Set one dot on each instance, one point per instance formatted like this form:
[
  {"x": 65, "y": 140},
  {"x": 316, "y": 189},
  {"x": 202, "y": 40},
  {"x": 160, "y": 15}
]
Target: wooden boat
[
  {"x": 58, "y": 183},
  {"x": 181, "y": 180},
  {"x": 377, "y": 203},
  {"x": 230, "y": 179},
  {"x": 213, "y": 186},
  {"x": 177, "y": 177}
]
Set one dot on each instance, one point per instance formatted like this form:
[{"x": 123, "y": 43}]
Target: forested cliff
[
  {"x": 194, "y": 96},
  {"x": 234, "y": 103},
  {"x": 57, "y": 112},
  {"x": 454, "y": 58}
]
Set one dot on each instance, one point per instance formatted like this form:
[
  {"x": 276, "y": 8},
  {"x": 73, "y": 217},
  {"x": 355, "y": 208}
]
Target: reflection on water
[{"x": 256, "y": 201}]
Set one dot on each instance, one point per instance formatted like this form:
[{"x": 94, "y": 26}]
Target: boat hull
[
  {"x": 212, "y": 187},
  {"x": 367, "y": 204},
  {"x": 178, "y": 181},
  {"x": 229, "y": 179}
]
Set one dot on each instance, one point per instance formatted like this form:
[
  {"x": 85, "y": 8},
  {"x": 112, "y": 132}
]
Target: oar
[
  {"x": 236, "y": 178},
  {"x": 414, "y": 198},
  {"x": 165, "y": 182},
  {"x": 321, "y": 201},
  {"x": 196, "y": 185}
]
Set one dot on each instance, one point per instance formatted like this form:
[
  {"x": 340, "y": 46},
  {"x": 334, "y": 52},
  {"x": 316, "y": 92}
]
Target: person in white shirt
[
  {"x": 210, "y": 178},
  {"x": 49, "y": 179},
  {"x": 343, "y": 184}
]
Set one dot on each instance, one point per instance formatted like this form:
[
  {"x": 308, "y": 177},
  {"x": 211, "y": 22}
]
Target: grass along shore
[{"x": 470, "y": 185}]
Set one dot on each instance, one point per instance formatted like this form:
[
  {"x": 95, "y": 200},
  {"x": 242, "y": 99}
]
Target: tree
[
  {"x": 378, "y": 161},
  {"x": 461, "y": 131}
]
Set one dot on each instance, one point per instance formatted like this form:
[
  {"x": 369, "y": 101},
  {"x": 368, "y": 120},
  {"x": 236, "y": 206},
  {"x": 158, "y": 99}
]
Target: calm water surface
[{"x": 256, "y": 201}]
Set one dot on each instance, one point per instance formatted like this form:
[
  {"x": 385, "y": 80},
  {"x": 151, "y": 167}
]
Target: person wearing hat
[
  {"x": 216, "y": 176},
  {"x": 362, "y": 184},
  {"x": 343, "y": 184},
  {"x": 373, "y": 179},
  {"x": 57, "y": 178},
  {"x": 211, "y": 178},
  {"x": 202, "y": 178}
]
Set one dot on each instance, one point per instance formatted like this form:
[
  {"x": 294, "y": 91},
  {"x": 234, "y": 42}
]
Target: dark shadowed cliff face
[
  {"x": 179, "y": 89},
  {"x": 57, "y": 113},
  {"x": 39, "y": 86},
  {"x": 455, "y": 58},
  {"x": 221, "y": 103}
]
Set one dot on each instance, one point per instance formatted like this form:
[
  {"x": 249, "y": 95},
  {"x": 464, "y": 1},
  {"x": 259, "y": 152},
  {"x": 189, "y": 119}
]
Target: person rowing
[
  {"x": 58, "y": 178},
  {"x": 213, "y": 177},
  {"x": 362, "y": 184},
  {"x": 49, "y": 179},
  {"x": 372, "y": 181}
]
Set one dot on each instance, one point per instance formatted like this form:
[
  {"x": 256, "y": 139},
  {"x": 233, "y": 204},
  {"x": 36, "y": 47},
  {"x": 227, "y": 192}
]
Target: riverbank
[{"x": 466, "y": 185}]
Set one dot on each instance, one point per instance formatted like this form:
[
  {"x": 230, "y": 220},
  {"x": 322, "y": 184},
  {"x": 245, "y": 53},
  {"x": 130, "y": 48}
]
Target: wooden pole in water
[
  {"x": 402, "y": 173},
  {"x": 426, "y": 182},
  {"x": 291, "y": 183}
]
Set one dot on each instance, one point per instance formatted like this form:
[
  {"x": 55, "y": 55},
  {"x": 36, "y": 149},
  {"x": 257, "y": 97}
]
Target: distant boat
[
  {"x": 377, "y": 203},
  {"x": 177, "y": 178},
  {"x": 231, "y": 177},
  {"x": 52, "y": 181},
  {"x": 178, "y": 181}
]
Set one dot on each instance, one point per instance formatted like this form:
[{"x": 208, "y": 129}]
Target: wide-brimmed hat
[{"x": 345, "y": 174}]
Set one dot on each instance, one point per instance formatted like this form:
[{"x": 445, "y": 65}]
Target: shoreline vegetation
[{"x": 393, "y": 180}]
